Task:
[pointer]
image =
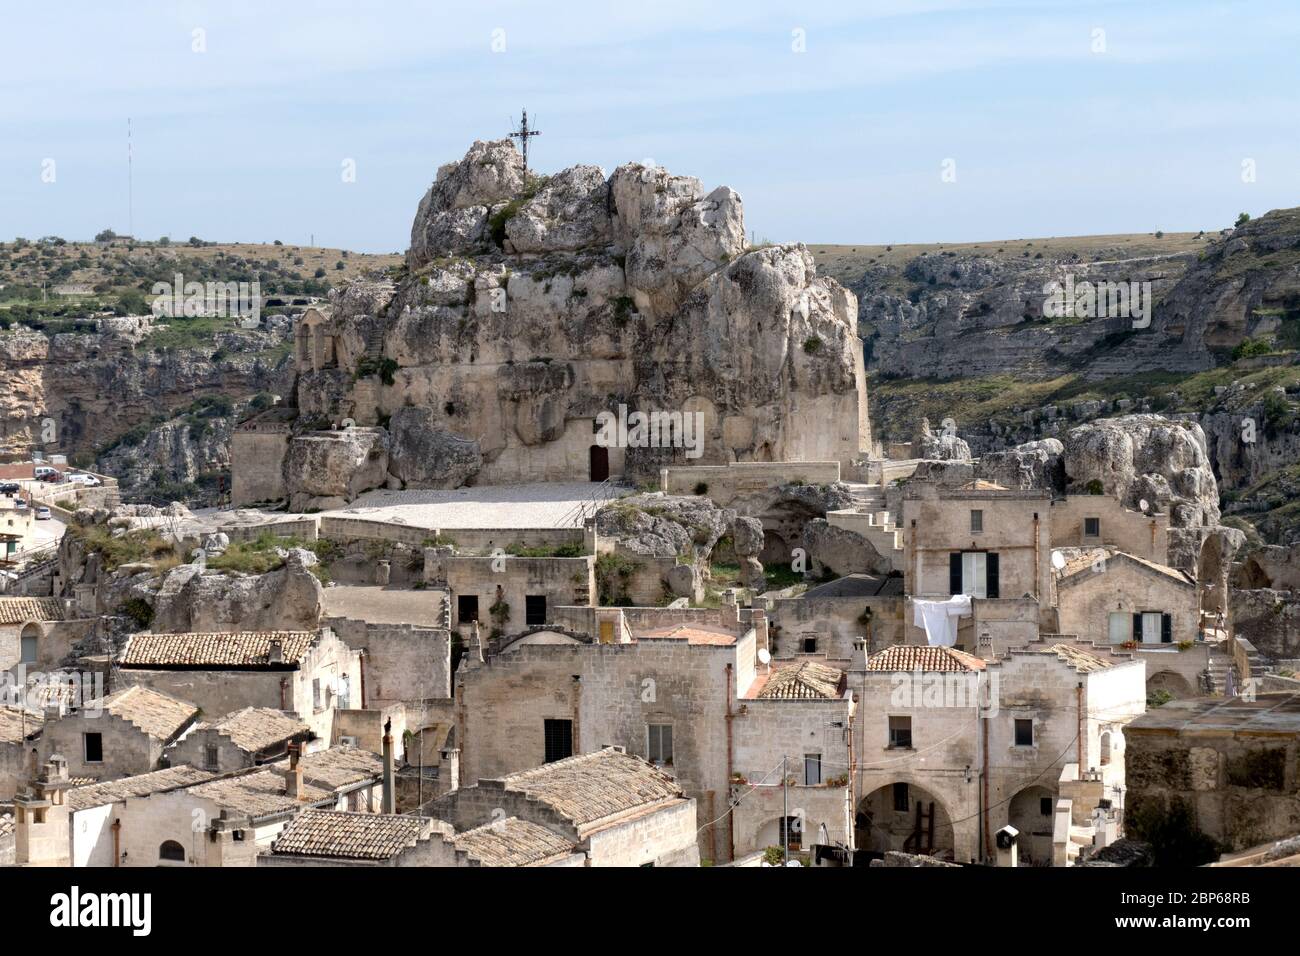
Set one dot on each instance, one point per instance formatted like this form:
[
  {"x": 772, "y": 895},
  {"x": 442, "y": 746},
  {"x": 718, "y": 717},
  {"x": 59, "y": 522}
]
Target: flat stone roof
[
  {"x": 1267, "y": 715},
  {"x": 537, "y": 505},
  {"x": 858, "y": 584}
]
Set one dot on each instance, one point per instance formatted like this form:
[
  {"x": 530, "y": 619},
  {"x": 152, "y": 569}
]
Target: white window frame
[{"x": 975, "y": 573}]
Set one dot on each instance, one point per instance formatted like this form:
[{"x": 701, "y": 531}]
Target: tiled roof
[
  {"x": 339, "y": 767},
  {"x": 256, "y": 794},
  {"x": 154, "y": 712},
  {"x": 20, "y": 610},
  {"x": 256, "y": 728},
  {"x": 593, "y": 786},
  {"x": 215, "y": 649},
  {"x": 350, "y": 836},
  {"x": 1080, "y": 659},
  {"x": 806, "y": 680},
  {"x": 7, "y": 825},
  {"x": 512, "y": 842},
  {"x": 692, "y": 634},
  {"x": 14, "y": 720},
  {"x": 113, "y": 791},
  {"x": 1086, "y": 558},
  {"x": 912, "y": 657}
]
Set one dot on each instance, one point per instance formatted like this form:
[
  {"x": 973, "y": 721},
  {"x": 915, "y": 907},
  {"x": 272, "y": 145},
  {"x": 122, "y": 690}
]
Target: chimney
[
  {"x": 275, "y": 653},
  {"x": 294, "y": 788},
  {"x": 388, "y": 804}
]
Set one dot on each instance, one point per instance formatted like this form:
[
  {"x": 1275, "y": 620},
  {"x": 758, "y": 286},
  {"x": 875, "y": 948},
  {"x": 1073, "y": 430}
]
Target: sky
[{"x": 855, "y": 122}]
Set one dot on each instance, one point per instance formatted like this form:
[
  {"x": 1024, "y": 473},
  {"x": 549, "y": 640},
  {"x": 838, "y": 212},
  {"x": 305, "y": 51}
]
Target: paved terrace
[{"x": 539, "y": 505}]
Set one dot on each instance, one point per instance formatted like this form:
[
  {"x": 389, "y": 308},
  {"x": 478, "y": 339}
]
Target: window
[
  {"x": 28, "y": 649},
  {"x": 94, "y": 744},
  {"x": 1092, "y": 527},
  {"x": 792, "y": 832},
  {"x": 900, "y": 733},
  {"x": 974, "y": 573},
  {"x": 1119, "y": 629},
  {"x": 212, "y": 758},
  {"x": 466, "y": 608},
  {"x": 1024, "y": 732},
  {"x": 1045, "y": 806},
  {"x": 172, "y": 851},
  {"x": 607, "y": 632},
  {"x": 902, "y": 799},
  {"x": 1153, "y": 627},
  {"x": 659, "y": 743},
  {"x": 534, "y": 609},
  {"x": 558, "y": 739},
  {"x": 315, "y": 695},
  {"x": 976, "y": 521},
  {"x": 810, "y": 645},
  {"x": 812, "y": 770}
]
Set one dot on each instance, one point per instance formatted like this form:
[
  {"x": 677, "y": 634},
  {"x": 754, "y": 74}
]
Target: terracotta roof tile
[
  {"x": 339, "y": 767},
  {"x": 258, "y": 794},
  {"x": 20, "y": 610},
  {"x": 805, "y": 680},
  {"x": 154, "y": 712},
  {"x": 351, "y": 836},
  {"x": 593, "y": 786},
  {"x": 912, "y": 657},
  {"x": 256, "y": 728},
  {"x": 215, "y": 649},
  {"x": 512, "y": 842},
  {"x": 13, "y": 722},
  {"x": 113, "y": 791}
]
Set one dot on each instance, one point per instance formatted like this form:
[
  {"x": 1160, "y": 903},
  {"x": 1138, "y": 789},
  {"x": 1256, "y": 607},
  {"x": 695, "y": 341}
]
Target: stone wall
[
  {"x": 1143, "y": 535},
  {"x": 1088, "y": 598},
  {"x": 728, "y": 482},
  {"x": 127, "y": 750},
  {"x": 403, "y": 661},
  {"x": 835, "y": 623}
]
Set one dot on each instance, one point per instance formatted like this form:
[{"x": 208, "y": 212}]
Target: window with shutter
[
  {"x": 991, "y": 575},
  {"x": 558, "y": 736},
  {"x": 954, "y": 573},
  {"x": 1166, "y": 628}
]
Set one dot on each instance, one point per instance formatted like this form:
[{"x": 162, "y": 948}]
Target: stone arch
[
  {"x": 1106, "y": 747},
  {"x": 169, "y": 851},
  {"x": 1252, "y": 576},
  {"x": 776, "y": 550},
  {"x": 1170, "y": 682},
  {"x": 1212, "y": 575},
  {"x": 1025, "y": 813},
  {"x": 924, "y": 827},
  {"x": 772, "y": 830}
]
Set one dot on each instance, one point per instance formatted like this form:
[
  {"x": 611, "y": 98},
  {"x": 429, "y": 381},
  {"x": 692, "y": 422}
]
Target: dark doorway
[
  {"x": 534, "y": 610},
  {"x": 558, "y": 736},
  {"x": 599, "y": 466}
]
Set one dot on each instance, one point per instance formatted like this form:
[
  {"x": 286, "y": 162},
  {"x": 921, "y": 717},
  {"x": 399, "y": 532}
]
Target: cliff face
[
  {"x": 532, "y": 304},
  {"x": 96, "y": 386}
]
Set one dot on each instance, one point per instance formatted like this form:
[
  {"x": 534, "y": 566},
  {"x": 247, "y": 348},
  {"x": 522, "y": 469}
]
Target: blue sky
[{"x": 844, "y": 142}]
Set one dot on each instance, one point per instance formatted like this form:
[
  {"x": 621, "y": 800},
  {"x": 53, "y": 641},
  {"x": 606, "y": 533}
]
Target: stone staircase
[
  {"x": 375, "y": 342},
  {"x": 878, "y": 526},
  {"x": 1221, "y": 662}
]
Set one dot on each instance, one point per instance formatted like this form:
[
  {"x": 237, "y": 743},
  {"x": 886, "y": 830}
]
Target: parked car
[
  {"x": 10, "y": 488},
  {"x": 46, "y": 473},
  {"x": 20, "y": 503},
  {"x": 90, "y": 481},
  {"x": 42, "y": 513}
]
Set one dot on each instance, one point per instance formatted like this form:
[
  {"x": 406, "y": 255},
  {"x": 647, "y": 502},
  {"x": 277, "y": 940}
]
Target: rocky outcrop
[
  {"x": 421, "y": 455},
  {"x": 659, "y": 525},
  {"x": 840, "y": 551},
  {"x": 328, "y": 469},
  {"x": 190, "y": 599},
  {"x": 944, "y": 445},
  {"x": 1269, "y": 619},
  {"x": 1145, "y": 458},
  {"x": 532, "y": 304},
  {"x": 747, "y": 543}
]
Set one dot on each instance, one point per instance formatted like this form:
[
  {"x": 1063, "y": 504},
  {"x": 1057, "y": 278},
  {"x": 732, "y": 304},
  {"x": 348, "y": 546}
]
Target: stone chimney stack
[
  {"x": 293, "y": 784},
  {"x": 389, "y": 804},
  {"x": 275, "y": 653}
]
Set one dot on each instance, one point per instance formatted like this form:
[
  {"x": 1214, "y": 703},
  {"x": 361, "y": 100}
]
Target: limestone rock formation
[
  {"x": 1146, "y": 457},
  {"x": 329, "y": 469},
  {"x": 945, "y": 445},
  {"x": 531, "y": 304},
  {"x": 840, "y": 550},
  {"x": 190, "y": 599},
  {"x": 747, "y": 542},
  {"x": 661, "y": 525}
]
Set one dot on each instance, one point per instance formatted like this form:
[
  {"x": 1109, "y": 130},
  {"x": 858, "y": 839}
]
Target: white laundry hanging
[{"x": 939, "y": 618}]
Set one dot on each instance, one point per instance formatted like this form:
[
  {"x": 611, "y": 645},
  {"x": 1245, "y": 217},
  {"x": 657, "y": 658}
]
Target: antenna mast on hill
[
  {"x": 130, "y": 185},
  {"x": 522, "y": 134}
]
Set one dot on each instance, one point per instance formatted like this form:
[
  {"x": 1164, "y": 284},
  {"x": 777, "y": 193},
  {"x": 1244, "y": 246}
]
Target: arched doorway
[
  {"x": 1032, "y": 812},
  {"x": 775, "y": 550},
  {"x": 904, "y": 817}
]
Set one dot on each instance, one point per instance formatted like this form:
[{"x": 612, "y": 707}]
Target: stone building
[
  {"x": 504, "y": 594},
  {"x": 609, "y": 807},
  {"x": 20, "y": 731},
  {"x": 125, "y": 733},
  {"x": 307, "y": 673},
  {"x": 245, "y": 738},
  {"x": 949, "y": 748},
  {"x": 240, "y": 814},
  {"x": 38, "y": 632},
  {"x": 1211, "y": 774}
]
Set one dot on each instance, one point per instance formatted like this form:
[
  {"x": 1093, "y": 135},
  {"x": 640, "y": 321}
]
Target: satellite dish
[
  {"x": 1142, "y": 505},
  {"x": 764, "y": 655},
  {"x": 1058, "y": 560}
]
